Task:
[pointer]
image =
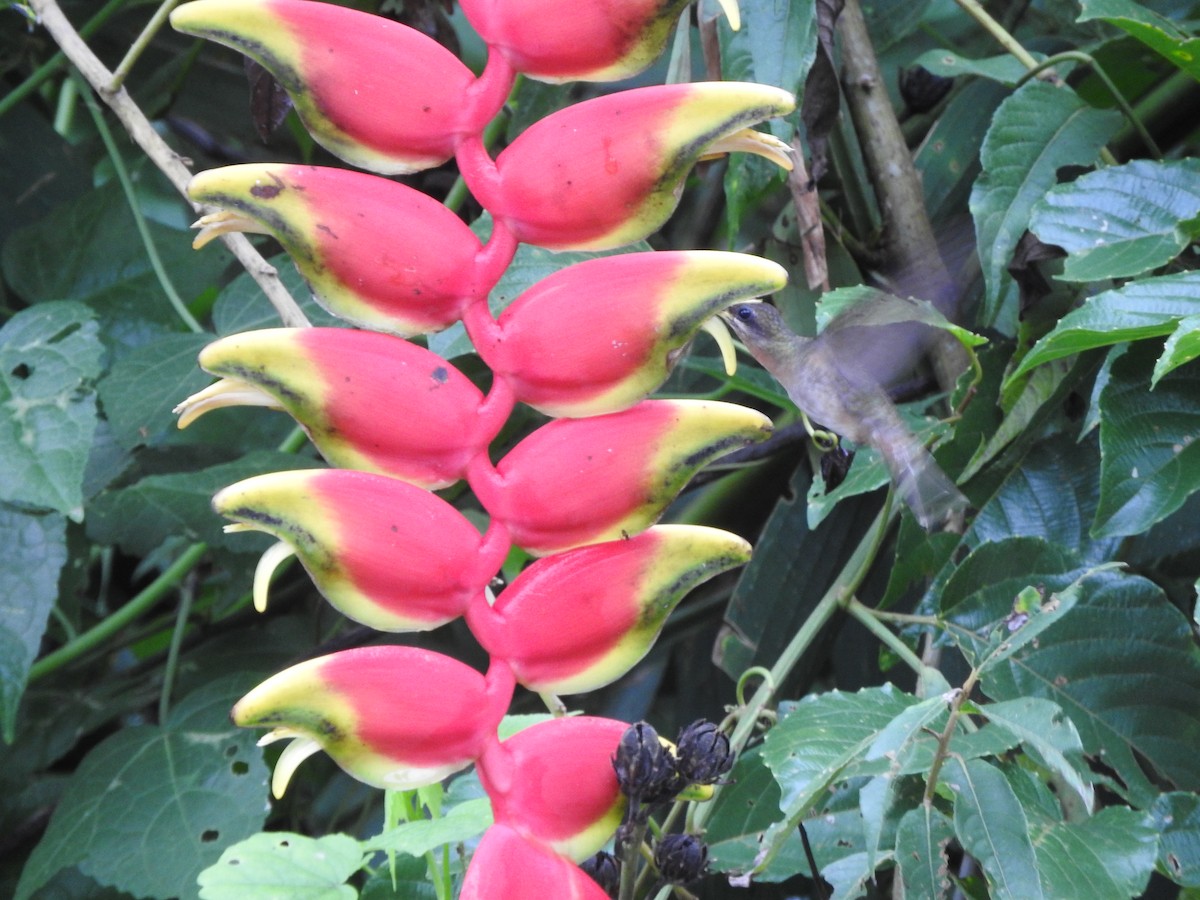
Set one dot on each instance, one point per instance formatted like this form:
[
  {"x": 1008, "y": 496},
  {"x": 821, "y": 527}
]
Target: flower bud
[
  {"x": 375, "y": 253},
  {"x": 582, "y": 481},
  {"x": 578, "y": 620},
  {"x": 608, "y": 171},
  {"x": 357, "y": 395},
  {"x": 378, "y": 94},
  {"x": 600, "y": 40},
  {"x": 553, "y": 783},
  {"x": 383, "y": 552},
  {"x": 680, "y": 858},
  {"x": 507, "y": 866},
  {"x": 599, "y": 336},
  {"x": 392, "y": 717}
]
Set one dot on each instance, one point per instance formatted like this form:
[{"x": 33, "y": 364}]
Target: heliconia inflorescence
[{"x": 588, "y": 344}]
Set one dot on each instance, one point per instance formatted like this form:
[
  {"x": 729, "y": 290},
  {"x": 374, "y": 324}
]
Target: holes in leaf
[
  {"x": 239, "y": 768},
  {"x": 21, "y": 371},
  {"x": 209, "y": 835}
]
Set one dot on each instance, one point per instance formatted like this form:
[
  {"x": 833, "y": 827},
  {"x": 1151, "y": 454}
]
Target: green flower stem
[
  {"x": 54, "y": 63},
  {"x": 628, "y": 853},
  {"x": 114, "y": 154},
  {"x": 871, "y": 622},
  {"x": 186, "y": 596},
  {"x": 141, "y": 43},
  {"x": 998, "y": 32},
  {"x": 130, "y": 612},
  {"x": 837, "y": 596}
]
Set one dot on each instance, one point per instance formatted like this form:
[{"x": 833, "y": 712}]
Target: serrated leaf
[
  {"x": 991, "y": 825},
  {"x": 1121, "y": 221},
  {"x": 461, "y": 823},
  {"x": 824, "y": 735},
  {"x": 1123, "y": 666},
  {"x": 1035, "y": 132},
  {"x": 283, "y": 866},
  {"x": 745, "y": 807},
  {"x": 150, "y": 807},
  {"x": 1004, "y": 69},
  {"x": 1051, "y": 495},
  {"x": 920, "y": 852},
  {"x": 1147, "y": 308},
  {"x": 1177, "y": 822},
  {"x": 1042, "y": 727},
  {"x": 1156, "y": 32},
  {"x": 1182, "y": 347},
  {"x": 140, "y": 517},
  {"x": 1107, "y": 857},
  {"x": 35, "y": 551},
  {"x": 50, "y": 355},
  {"x": 142, "y": 388},
  {"x": 90, "y": 250},
  {"x": 1149, "y": 455}
]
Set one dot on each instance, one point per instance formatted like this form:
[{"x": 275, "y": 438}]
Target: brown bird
[{"x": 829, "y": 377}]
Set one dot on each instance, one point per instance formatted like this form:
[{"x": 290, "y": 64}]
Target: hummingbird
[{"x": 830, "y": 379}]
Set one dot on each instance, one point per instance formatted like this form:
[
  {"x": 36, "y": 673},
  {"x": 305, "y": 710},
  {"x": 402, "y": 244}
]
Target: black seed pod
[
  {"x": 604, "y": 869},
  {"x": 704, "y": 753},
  {"x": 681, "y": 858},
  {"x": 835, "y": 465},
  {"x": 645, "y": 768}
]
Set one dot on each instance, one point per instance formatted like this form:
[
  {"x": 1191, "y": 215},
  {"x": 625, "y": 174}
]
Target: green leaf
[
  {"x": 1150, "y": 458},
  {"x": 871, "y": 307},
  {"x": 1124, "y": 667},
  {"x": 49, "y": 357},
  {"x": 1051, "y": 495},
  {"x": 1004, "y": 69},
  {"x": 1107, "y": 857},
  {"x": 461, "y": 823},
  {"x": 35, "y": 551},
  {"x": 948, "y": 158},
  {"x": 825, "y": 734},
  {"x": 1121, "y": 221},
  {"x": 991, "y": 826},
  {"x": 1041, "y": 726},
  {"x": 90, "y": 250},
  {"x": 1035, "y": 132},
  {"x": 282, "y": 866},
  {"x": 139, "y": 517},
  {"x": 921, "y": 843},
  {"x": 142, "y": 388},
  {"x": 746, "y": 807},
  {"x": 1182, "y": 347},
  {"x": 1150, "y": 307},
  {"x": 890, "y": 21},
  {"x": 775, "y": 45},
  {"x": 242, "y": 306},
  {"x": 1177, "y": 821},
  {"x": 150, "y": 807},
  {"x": 1156, "y": 32}
]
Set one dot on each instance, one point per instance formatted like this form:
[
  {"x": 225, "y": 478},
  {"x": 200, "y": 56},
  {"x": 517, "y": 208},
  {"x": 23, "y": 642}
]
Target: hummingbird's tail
[{"x": 920, "y": 481}]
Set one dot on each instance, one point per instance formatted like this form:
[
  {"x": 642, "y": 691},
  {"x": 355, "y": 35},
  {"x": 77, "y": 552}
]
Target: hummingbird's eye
[{"x": 745, "y": 313}]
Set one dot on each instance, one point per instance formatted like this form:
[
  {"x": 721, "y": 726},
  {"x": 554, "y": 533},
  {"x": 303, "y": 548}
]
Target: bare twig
[{"x": 166, "y": 159}]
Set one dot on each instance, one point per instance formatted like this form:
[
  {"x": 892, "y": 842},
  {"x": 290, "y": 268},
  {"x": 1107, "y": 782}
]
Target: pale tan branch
[{"x": 51, "y": 17}]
